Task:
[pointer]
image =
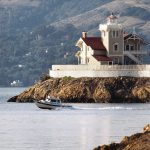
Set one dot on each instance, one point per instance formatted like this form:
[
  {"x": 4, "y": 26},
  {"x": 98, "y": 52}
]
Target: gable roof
[
  {"x": 132, "y": 35},
  {"x": 102, "y": 58},
  {"x": 94, "y": 42}
]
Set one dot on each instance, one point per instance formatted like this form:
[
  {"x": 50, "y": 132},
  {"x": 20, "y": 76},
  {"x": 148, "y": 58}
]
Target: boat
[
  {"x": 51, "y": 103},
  {"x": 16, "y": 83}
]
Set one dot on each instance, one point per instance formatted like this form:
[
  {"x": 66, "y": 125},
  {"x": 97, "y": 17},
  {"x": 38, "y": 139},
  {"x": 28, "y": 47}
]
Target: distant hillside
[
  {"x": 135, "y": 13},
  {"x": 34, "y": 34},
  {"x": 12, "y": 3}
]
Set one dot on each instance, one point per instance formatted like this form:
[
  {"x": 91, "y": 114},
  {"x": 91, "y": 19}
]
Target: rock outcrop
[
  {"x": 139, "y": 141},
  {"x": 89, "y": 90}
]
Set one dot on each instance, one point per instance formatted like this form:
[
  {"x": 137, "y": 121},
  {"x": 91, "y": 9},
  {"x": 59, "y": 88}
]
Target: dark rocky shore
[
  {"x": 89, "y": 90},
  {"x": 139, "y": 141}
]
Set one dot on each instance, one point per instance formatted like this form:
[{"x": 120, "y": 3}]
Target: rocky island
[
  {"x": 89, "y": 90},
  {"x": 138, "y": 141}
]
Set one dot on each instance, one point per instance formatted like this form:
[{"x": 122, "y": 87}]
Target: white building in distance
[{"x": 115, "y": 53}]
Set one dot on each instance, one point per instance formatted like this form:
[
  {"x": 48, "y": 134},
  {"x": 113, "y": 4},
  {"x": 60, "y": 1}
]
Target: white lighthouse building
[
  {"x": 115, "y": 53},
  {"x": 113, "y": 47}
]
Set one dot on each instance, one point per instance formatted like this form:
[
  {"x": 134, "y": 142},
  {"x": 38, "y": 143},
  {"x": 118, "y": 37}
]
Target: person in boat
[{"x": 48, "y": 98}]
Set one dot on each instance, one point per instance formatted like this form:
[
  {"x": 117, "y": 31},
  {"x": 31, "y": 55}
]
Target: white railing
[{"x": 131, "y": 56}]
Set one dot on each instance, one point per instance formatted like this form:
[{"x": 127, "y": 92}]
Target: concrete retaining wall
[{"x": 99, "y": 71}]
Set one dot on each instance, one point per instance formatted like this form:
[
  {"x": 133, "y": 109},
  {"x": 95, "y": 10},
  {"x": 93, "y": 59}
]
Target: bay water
[{"x": 23, "y": 126}]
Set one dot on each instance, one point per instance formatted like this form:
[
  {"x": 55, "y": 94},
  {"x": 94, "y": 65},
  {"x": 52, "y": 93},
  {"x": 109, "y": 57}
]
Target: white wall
[
  {"x": 100, "y": 71},
  {"x": 87, "y": 73},
  {"x": 99, "y": 67}
]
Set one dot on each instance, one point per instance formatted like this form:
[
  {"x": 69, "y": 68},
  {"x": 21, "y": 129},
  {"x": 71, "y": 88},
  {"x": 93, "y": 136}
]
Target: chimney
[{"x": 84, "y": 34}]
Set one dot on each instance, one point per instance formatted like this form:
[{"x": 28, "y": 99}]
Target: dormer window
[{"x": 115, "y": 47}]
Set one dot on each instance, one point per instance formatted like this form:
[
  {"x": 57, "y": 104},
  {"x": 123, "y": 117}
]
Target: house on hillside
[
  {"x": 115, "y": 53},
  {"x": 113, "y": 47}
]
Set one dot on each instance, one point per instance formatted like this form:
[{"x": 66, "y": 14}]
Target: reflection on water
[{"x": 24, "y": 126}]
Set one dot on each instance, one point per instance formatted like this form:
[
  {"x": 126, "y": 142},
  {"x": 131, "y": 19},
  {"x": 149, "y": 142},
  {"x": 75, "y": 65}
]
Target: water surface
[{"x": 24, "y": 126}]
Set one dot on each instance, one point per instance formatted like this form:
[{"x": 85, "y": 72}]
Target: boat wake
[{"x": 104, "y": 108}]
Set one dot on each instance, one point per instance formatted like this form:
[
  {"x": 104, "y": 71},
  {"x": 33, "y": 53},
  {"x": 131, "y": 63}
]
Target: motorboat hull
[{"x": 47, "y": 105}]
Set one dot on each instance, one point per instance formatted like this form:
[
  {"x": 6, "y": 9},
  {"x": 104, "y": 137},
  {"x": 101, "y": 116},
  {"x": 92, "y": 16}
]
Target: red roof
[
  {"x": 94, "y": 42},
  {"x": 102, "y": 58}
]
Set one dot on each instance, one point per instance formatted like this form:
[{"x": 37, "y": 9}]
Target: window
[
  {"x": 88, "y": 60},
  {"x": 114, "y": 33},
  {"x": 110, "y": 63},
  {"x": 117, "y": 34},
  {"x": 138, "y": 47},
  {"x": 132, "y": 47},
  {"x": 110, "y": 33},
  {"x": 116, "y": 60},
  {"x": 53, "y": 101},
  {"x": 127, "y": 47},
  {"x": 115, "y": 47}
]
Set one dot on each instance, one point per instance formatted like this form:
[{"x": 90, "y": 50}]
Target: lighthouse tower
[{"x": 113, "y": 40}]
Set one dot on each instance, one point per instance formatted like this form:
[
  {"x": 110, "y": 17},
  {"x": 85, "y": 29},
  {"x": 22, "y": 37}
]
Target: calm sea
[{"x": 26, "y": 127}]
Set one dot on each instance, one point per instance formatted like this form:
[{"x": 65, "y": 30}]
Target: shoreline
[{"x": 138, "y": 141}]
